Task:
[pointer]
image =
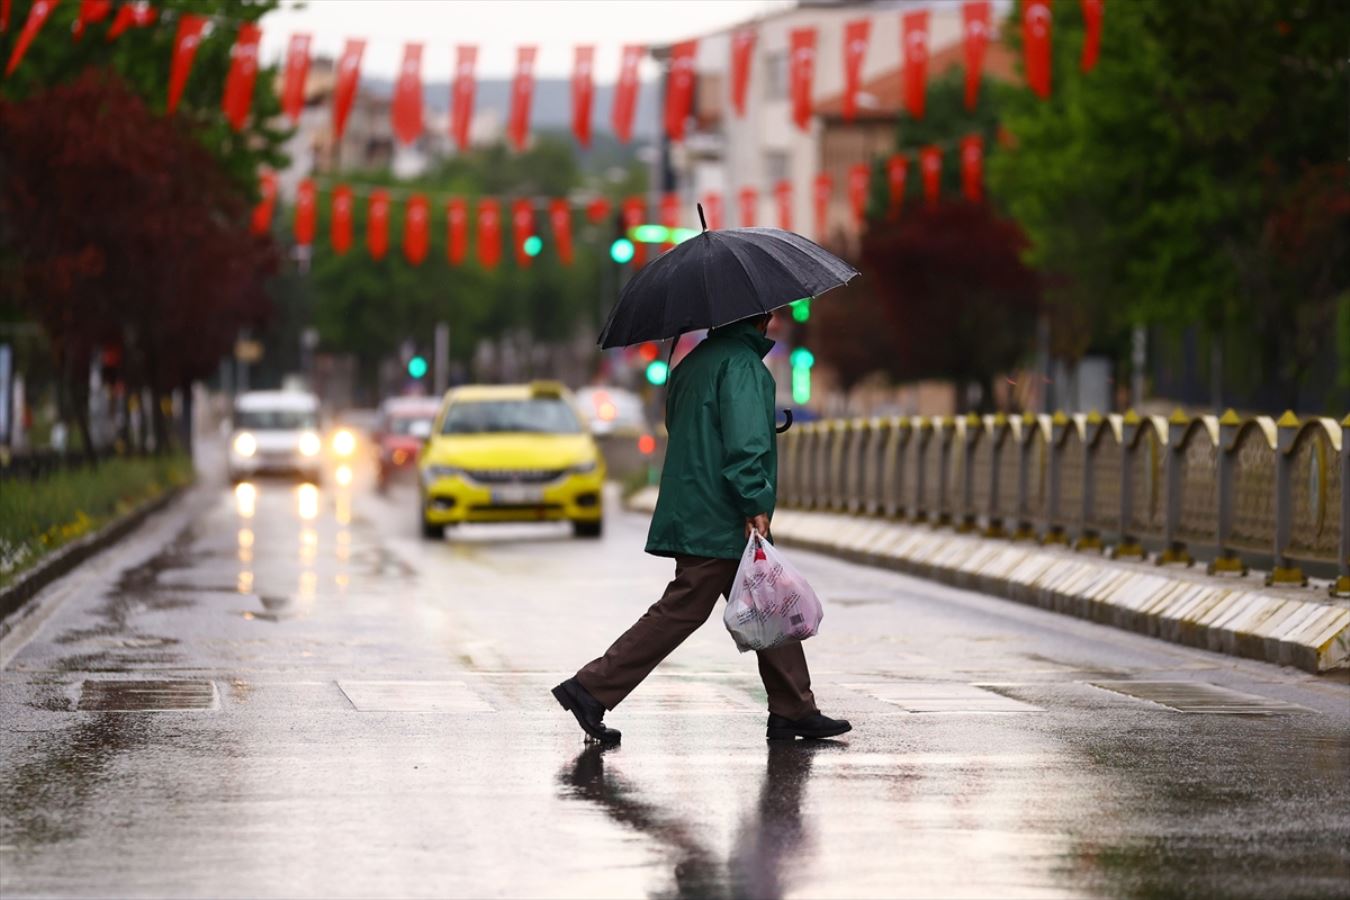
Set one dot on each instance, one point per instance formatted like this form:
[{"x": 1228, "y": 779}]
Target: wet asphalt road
[{"x": 326, "y": 705}]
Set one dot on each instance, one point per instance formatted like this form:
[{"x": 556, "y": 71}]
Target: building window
[
  {"x": 775, "y": 167},
  {"x": 776, "y": 75}
]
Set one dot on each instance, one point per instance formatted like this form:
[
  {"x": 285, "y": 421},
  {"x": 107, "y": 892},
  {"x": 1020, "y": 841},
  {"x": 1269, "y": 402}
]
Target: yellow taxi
[{"x": 510, "y": 453}]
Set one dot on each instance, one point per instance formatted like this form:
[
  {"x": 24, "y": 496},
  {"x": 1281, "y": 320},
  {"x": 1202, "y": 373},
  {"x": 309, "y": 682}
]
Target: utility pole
[{"x": 440, "y": 360}]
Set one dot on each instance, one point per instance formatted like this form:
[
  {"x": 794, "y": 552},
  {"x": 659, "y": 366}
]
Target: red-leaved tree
[{"x": 120, "y": 231}]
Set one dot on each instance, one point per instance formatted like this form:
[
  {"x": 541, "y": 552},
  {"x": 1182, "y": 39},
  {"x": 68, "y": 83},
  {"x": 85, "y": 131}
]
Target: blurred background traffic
[{"x": 1056, "y": 205}]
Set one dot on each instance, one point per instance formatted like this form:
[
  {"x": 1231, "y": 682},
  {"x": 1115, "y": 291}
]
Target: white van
[{"x": 275, "y": 432}]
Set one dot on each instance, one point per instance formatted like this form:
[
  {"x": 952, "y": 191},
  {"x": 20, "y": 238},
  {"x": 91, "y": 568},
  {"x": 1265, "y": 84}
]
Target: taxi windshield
[{"x": 537, "y": 415}]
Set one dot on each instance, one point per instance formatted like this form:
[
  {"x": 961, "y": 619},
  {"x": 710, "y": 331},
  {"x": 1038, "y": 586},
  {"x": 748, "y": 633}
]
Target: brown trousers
[{"x": 686, "y": 604}]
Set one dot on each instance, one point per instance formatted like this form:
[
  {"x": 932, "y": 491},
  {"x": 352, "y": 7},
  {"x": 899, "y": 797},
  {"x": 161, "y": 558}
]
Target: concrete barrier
[{"x": 1240, "y": 617}]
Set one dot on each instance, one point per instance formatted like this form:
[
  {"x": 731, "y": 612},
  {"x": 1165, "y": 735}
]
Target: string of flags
[{"x": 406, "y": 107}]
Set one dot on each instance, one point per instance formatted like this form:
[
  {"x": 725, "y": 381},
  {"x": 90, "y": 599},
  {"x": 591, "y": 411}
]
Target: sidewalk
[{"x": 1238, "y": 616}]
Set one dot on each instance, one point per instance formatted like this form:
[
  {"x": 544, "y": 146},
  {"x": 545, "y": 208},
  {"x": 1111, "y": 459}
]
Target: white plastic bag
[{"x": 770, "y": 603}]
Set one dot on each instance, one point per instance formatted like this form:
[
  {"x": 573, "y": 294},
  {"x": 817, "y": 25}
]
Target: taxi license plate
[{"x": 516, "y": 495}]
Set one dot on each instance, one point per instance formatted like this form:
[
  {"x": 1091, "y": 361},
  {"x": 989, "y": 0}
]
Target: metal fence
[{"x": 1233, "y": 488}]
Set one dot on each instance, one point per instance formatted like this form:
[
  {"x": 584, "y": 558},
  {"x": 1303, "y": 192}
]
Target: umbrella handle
[{"x": 787, "y": 421}]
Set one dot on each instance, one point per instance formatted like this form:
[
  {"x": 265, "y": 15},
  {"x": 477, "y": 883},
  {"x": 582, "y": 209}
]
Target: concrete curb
[
  {"x": 14, "y": 599},
  {"x": 1234, "y": 616}
]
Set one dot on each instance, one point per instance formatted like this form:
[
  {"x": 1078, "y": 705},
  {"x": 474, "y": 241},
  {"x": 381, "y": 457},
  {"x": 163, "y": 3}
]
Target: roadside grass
[{"x": 39, "y": 516}]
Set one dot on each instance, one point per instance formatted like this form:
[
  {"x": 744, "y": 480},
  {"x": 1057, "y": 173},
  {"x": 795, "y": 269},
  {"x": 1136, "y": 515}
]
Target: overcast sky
[{"x": 498, "y": 26}]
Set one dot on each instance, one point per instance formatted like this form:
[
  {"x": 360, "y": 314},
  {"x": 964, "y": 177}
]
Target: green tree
[{"x": 1195, "y": 179}]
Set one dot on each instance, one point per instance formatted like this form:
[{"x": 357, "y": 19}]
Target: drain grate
[
  {"x": 413, "y": 696},
  {"x": 146, "y": 696},
  {"x": 942, "y": 697},
  {"x": 1199, "y": 697}
]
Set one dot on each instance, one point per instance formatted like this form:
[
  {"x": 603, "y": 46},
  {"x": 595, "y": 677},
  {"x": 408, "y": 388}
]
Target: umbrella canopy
[{"x": 720, "y": 277}]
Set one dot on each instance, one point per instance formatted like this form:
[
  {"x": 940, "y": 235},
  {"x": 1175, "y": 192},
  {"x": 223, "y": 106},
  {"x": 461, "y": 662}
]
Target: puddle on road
[{"x": 146, "y": 696}]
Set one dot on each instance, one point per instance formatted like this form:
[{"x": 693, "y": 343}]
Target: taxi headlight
[
  {"x": 344, "y": 442},
  {"x": 245, "y": 444},
  {"x": 436, "y": 473},
  {"x": 310, "y": 445},
  {"x": 585, "y": 468}
]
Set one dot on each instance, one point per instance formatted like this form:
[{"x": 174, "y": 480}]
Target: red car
[{"x": 404, "y": 423}]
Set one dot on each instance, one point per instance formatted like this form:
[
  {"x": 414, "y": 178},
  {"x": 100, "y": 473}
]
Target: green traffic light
[
  {"x": 801, "y": 309},
  {"x": 801, "y": 358},
  {"x": 801, "y": 385},
  {"x": 657, "y": 371},
  {"x": 533, "y": 245},
  {"x": 417, "y": 367},
  {"x": 621, "y": 251}
]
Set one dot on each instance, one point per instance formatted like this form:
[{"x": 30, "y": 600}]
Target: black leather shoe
[
  {"x": 815, "y": 725},
  {"x": 589, "y": 711}
]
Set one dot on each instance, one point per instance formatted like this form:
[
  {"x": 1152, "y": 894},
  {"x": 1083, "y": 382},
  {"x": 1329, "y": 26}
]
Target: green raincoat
[{"x": 722, "y": 458}]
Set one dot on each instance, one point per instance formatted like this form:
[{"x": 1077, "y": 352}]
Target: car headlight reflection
[
  {"x": 344, "y": 442},
  {"x": 310, "y": 445},
  {"x": 245, "y": 444}
]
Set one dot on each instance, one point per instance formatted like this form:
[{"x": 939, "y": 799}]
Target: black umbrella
[{"x": 720, "y": 277}]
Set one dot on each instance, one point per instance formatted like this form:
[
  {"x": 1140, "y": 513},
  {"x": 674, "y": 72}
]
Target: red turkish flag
[
  {"x": 975, "y": 16},
  {"x": 625, "y": 92},
  {"x": 238, "y": 97},
  {"x": 340, "y": 229},
  {"x": 377, "y": 224},
  {"x": 185, "y": 44},
  {"x": 583, "y": 89},
  {"x": 914, "y": 26},
  {"x": 748, "y": 200},
  {"x": 416, "y": 224},
  {"x": 130, "y": 15},
  {"x": 267, "y": 200},
  {"x": 91, "y": 11},
  {"x": 522, "y": 227},
  {"x": 670, "y": 214},
  {"x": 297, "y": 71},
  {"x": 972, "y": 167},
  {"x": 37, "y": 16},
  {"x": 406, "y": 110},
  {"x": 822, "y": 191},
  {"x": 560, "y": 217},
  {"x": 712, "y": 210},
  {"x": 1036, "y": 44},
  {"x": 1092, "y": 37},
  {"x": 597, "y": 210},
  {"x": 489, "y": 233},
  {"x": 304, "y": 213},
  {"x": 634, "y": 213},
  {"x": 348, "y": 75},
  {"x": 680, "y": 88},
  {"x": 859, "y": 179},
  {"x": 782, "y": 193},
  {"x": 801, "y": 73},
  {"x": 895, "y": 183},
  {"x": 461, "y": 114},
  {"x": 742, "y": 50},
  {"x": 4, "y": 15},
  {"x": 930, "y": 166},
  {"x": 457, "y": 227},
  {"x": 855, "y": 49},
  {"x": 522, "y": 90}
]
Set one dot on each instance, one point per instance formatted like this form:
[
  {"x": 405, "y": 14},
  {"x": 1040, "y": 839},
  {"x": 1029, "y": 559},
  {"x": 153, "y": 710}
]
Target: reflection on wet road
[{"x": 281, "y": 690}]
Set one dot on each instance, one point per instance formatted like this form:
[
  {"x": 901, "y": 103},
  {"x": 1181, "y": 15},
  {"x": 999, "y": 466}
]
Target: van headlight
[
  {"x": 310, "y": 445},
  {"x": 344, "y": 442},
  {"x": 245, "y": 444}
]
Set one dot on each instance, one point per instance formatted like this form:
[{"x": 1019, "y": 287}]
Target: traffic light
[
  {"x": 658, "y": 370},
  {"x": 622, "y": 250},
  {"x": 802, "y": 360},
  {"x": 532, "y": 245},
  {"x": 417, "y": 367},
  {"x": 801, "y": 309}
]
